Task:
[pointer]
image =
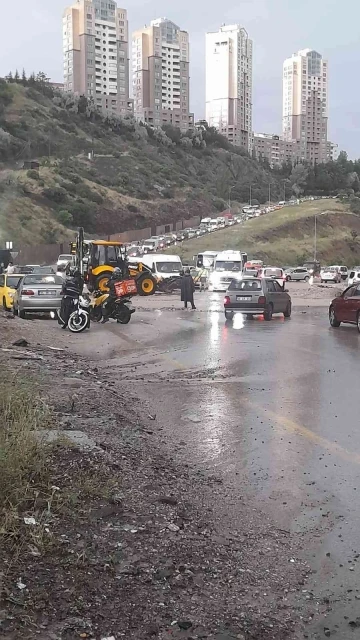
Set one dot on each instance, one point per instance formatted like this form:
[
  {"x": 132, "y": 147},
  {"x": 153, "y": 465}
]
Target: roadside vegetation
[
  {"x": 286, "y": 237},
  {"x": 111, "y": 174},
  {"x": 134, "y": 177},
  {"x": 40, "y": 480}
]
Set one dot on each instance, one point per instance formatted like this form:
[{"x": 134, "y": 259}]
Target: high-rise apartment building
[
  {"x": 160, "y": 67},
  {"x": 229, "y": 83},
  {"x": 305, "y": 103},
  {"x": 96, "y": 53},
  {"x": 275, "y": 149}
]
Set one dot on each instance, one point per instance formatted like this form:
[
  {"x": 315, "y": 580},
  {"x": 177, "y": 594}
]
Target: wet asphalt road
[{"x": 272, "y": 407}]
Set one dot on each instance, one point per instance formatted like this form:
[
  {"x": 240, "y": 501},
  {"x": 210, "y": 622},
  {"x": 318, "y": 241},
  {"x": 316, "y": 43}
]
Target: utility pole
[
  {"x": 315, "y": 237},
  {"x": 250, "y": 194},
  {"x": 285, "y": 190},
  {"x": 269, "y": 192}
]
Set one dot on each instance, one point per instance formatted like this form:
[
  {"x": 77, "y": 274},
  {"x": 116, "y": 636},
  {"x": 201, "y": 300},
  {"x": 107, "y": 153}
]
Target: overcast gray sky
[{"x": 32, "y": 39}]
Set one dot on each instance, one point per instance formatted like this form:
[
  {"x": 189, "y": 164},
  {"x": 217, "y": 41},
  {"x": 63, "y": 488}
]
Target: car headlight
[{"x": 11, "y": 295}]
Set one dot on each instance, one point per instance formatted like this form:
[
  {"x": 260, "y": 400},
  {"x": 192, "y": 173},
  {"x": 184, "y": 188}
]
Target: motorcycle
[
  {"x": 79, "y": 319},
  {"x": 122, "y": 308}
]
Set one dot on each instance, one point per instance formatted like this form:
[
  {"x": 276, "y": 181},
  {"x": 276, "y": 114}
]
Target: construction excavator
[{"x": 97, "y": 259}]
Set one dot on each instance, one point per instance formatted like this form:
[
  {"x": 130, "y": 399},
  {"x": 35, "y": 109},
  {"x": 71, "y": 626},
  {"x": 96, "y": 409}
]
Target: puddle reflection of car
[
  {"x": 37, "y": 293},
  {"x": 346, "y": 308},
  {"x": 256, "y": 296}
]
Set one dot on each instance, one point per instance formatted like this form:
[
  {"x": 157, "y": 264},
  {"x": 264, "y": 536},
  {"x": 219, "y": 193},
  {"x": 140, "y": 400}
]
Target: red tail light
[
  {"x": 261, "y": 300},
  {"x": 226, "y": 300},
  {"x": 28, "y": 292}
]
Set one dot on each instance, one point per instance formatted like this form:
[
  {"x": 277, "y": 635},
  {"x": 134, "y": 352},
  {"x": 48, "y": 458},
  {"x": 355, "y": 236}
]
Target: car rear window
[
  {"x": 12, "y": 281},
  {"x": 277, "y": 273},
  {"x": 43, "y": 279},
  {"x": 245, "y": 285}
]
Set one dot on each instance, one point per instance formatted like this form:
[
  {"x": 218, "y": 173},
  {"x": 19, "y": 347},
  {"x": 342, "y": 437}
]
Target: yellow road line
[{"x": 294, "y": 427}]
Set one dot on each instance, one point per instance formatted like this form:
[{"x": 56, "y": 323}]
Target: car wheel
[
  {"x": 322, "y": 281},
  {"x": 288, "y": 278},
  {"x": 287, "y": 312},
  {"x": 229, "y": 315},
  {"x": 306, "y": 278},
  {"x": 15, "y": 311},
  {"x": 358, "y": 321},
  {"x": 21, "y": 314},
  {"x": 268, "y": 313},
  {"x": 334, "y": 322}
]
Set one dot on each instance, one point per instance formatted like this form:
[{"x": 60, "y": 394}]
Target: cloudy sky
[{"x": 277, "y": 27}]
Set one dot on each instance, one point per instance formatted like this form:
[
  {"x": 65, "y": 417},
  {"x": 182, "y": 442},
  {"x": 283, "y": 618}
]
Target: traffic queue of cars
[{"x": 16, "y": 296}]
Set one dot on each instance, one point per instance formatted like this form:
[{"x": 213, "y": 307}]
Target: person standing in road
[
  {"x": 187, "y": 289},
  {"x": 10, "y": 268}
]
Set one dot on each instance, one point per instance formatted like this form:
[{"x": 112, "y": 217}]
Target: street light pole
[
  {"x": 269, "y": 192},
  {"x": 315, "y": 237},
  {"x": 250, "y": 195}
]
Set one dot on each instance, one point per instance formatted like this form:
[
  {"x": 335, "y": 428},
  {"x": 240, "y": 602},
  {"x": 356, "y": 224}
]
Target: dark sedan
[{"x": 346, "y": 308}]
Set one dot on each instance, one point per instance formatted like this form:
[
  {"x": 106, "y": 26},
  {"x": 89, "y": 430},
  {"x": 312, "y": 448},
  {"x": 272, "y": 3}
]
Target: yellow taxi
[{"x": 8, "y": 282}]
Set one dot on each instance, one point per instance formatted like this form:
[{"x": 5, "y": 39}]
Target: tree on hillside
[
  {"x": 298, "y": 178},
  {"x": 9, "y": 77},
  {"x": 24, "y": 78},
  {"x": 16, "y": 76}
]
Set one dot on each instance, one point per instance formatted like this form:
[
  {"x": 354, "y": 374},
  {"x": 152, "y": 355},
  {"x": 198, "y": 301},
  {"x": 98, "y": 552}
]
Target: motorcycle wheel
[
  {"x": 78, "y": 321},
  {"x": 96, "y": 314},
  {"x": 123, "y": 316}
]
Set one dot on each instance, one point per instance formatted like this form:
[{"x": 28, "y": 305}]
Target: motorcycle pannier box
[{"x": 125, "y": 288}]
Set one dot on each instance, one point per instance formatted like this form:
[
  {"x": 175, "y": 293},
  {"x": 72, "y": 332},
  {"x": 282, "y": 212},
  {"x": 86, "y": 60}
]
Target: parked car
[
  {"x": 46, "y": 270},
  {"x": 256, "y": 296},
  {"x": 330, "y": 274},
  {"x": 346, "y": 307},
  {"x": 63, "y": 260},
  {"x": 273, "y": 272},
  {"x": 313, "y": 267},
  {"x": 8, "y": 284},
  {"x": 354, "y": 276},
  {"x": 298, "y": 274},
  {"x": 344, "y": 272},
  {"x": 37, "y": 293}
]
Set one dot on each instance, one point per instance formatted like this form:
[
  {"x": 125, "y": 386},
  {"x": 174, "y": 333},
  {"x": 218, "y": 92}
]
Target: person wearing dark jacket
[
  {"x": 71, "y": 290},
  {"x": 116, "y": 276},
  {"x": 187, "y": 289}
]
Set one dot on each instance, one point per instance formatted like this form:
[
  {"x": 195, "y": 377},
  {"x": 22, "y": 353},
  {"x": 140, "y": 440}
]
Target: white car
[
  {"x": 330, "y": 274},
  {"x": 63, "y": 260},
  {"x": 344, "y": 272},
  {"x": 354, "y": 276}
]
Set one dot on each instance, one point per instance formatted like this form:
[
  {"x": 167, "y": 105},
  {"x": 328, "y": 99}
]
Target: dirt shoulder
[{"x": 132, "y": 543}]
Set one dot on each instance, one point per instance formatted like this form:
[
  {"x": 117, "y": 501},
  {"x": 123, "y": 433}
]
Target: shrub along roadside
[{"x": 22, "y": 456}]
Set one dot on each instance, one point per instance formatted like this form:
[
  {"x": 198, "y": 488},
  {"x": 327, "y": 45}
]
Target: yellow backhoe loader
[{"x": 97, "y": 259}]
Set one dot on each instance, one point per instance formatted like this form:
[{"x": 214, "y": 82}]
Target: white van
[
  {"x": 162, "y": 265},
  {"x": 205, "y": 223},
  {"x": 221, "y": 222},
  {"x": 228, "y": 265},
  {"x": 213, "y": 226}
]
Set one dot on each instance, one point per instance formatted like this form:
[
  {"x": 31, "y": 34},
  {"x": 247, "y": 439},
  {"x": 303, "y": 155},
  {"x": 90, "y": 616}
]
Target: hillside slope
[
  {"x": 136, "y": 177},
  {"x": 286, "y": 237}
]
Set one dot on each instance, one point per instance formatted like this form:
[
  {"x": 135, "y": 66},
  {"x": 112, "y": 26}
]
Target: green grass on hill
[
  {"x": 286, "y": 237},
  {"x": 136, "y": 178}
]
